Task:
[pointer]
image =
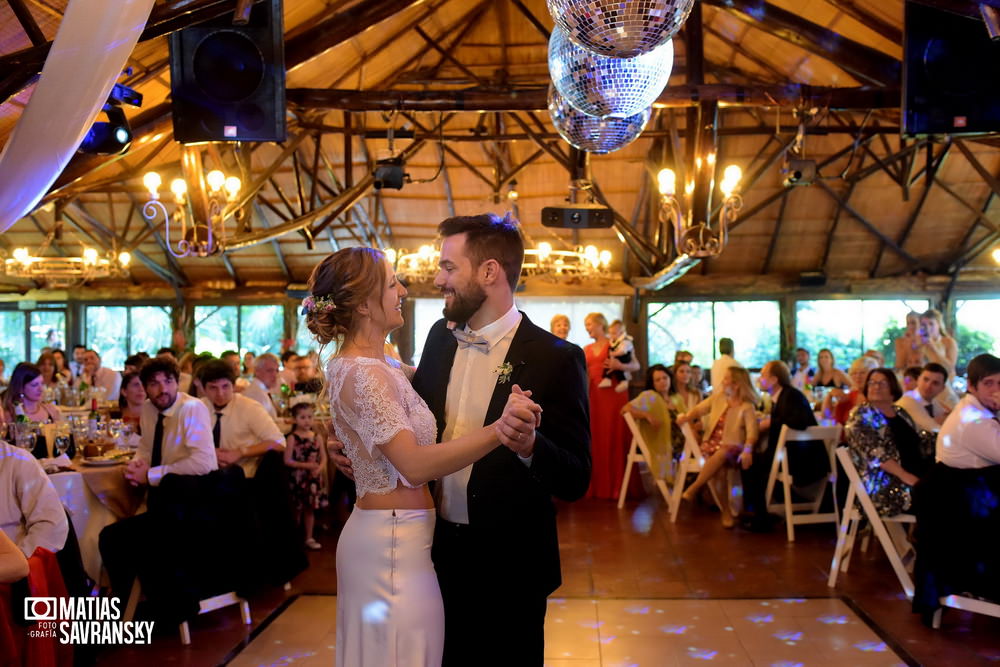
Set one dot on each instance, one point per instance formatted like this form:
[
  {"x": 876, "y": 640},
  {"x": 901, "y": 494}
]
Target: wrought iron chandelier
[
  {"x": 201, "y": 205},
  {"x": 695, "y": 232},
  {"x": 558, "y": 266},
  {"x": 66, "y": 271}
]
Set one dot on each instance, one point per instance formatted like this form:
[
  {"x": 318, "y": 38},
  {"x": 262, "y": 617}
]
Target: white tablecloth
[{"x": 88, "y": 515}]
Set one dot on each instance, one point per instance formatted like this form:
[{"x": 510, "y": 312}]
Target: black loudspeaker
[
  {"x": 578, "y": 216},
  {"x": 227, "y": 81}
]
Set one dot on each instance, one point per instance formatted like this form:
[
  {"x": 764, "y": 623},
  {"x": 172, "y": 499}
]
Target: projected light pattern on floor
[{"x": 586, "y": 632}]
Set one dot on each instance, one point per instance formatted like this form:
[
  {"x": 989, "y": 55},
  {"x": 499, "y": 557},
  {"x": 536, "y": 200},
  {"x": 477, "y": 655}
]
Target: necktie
[
  {"x": 217, "y": 429},
  {"x": 157, "y": 456},
  {"x": 466, "y": 339},
  {"x": 930, "y": 409}
]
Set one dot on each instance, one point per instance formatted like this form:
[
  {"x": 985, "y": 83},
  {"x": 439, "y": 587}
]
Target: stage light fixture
[
  {"x": 390, "y": 173},
  {"x": 799, "y": 172}
]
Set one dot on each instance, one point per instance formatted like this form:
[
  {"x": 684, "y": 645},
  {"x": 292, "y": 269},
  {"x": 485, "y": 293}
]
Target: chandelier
[
  {"x": 59, "y": 272},
  {"x": 557, "y": 266},
  {"x": 700, "y": 238},
  {"x": 201, "y": 204}
]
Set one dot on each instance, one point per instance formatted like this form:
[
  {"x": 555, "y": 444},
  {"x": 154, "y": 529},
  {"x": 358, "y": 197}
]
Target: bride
[{"x": 389, "y": 609}]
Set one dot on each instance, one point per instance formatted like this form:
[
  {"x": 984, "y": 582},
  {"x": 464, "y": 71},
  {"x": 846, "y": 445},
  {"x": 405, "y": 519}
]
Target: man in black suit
[
  {"x": 789, "y": 406},
  {"x": 496, "y": 550}
]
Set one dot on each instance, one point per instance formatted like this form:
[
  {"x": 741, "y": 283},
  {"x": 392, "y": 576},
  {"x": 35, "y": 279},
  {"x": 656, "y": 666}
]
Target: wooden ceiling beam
[
  {"x": 860, "y": 61},
  {"x": 27, "y": 21},
  {"x": 536, "y": 98},
  {"x": 532, "y": 19},
  {"x": 968, "y": 8},
  {"x": 342, "y": 26},
  {"x": 776, "y": 233},
  {"x": 869, "y": 20}
]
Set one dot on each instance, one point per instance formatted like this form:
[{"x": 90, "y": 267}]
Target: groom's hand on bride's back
[{"x": 336, "y": 450}]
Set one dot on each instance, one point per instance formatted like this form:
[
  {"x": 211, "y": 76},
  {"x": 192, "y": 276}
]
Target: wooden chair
[
  {"x": 889, "y": 531},
  {"x": 830, "y": 435},
  {"x": 691, "y": 461},
  {"x": 639, "y": 452}
]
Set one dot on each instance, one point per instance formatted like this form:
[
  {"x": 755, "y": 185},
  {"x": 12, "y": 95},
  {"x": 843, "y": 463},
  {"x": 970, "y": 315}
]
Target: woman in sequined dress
[{"x": 888, "y": 450}]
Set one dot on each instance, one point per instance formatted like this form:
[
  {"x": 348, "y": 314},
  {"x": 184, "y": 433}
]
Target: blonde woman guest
[
  {"x": 935, "y": 343},
  {"x": 653, "y": 413},
  {"x": 559, "y": 326},
  {"x": 908, "y": 345},
  {"x": 684, "y": 395},
  {"x": 838, "y": 405},
  {"x": 731, "y": 434},
  {"x": 828, "y": 375},
  {"x": 608, "y": 432}
]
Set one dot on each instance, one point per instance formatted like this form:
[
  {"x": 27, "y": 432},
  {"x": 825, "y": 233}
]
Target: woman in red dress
[{"x": 608, "y": 431}]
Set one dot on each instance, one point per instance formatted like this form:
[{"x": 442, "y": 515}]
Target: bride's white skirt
[{"x": 389, "y": 611}]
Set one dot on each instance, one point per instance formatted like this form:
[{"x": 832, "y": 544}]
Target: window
[
  {"x": 849, "y": 327},
  {"x": 304, "y": 339},
  {"x": 976, "y": 320},
  {"x": 697, "y": 327},
  {"x": 241, "y": 328},
  {"x": 11, "y": 340},
  {"x": 216, "y": 329},
  {"x": 117, "y": 332},
  {"x": 538, "y": 309}
]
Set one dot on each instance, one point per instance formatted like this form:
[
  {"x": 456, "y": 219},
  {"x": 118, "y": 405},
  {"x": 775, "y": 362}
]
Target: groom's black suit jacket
[{"x": 511, "y": 513}]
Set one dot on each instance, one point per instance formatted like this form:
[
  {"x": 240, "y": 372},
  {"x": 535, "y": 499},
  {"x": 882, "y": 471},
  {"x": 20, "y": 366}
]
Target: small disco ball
[
  {"x": 592, "y": 134},
  {"x": 620, "y": 29},
  {"x": 602, "y": 86}
]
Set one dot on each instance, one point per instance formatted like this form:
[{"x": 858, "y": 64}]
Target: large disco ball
[
  {"x": 592, "y": 134},
  {"x": 622, "y": 28},
  {"x": 602, "y": 86}
]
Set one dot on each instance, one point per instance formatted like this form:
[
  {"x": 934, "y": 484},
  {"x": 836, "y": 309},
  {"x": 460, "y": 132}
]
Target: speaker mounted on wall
[{"x": 228, "y": 81}]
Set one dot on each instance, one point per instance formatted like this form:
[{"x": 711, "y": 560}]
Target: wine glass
[
  {"x": 61, "y": 442},
  {"x": 25, "y": 435}
]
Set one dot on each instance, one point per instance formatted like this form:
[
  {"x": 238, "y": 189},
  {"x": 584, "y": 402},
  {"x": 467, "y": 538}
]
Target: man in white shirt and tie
[
  {"x": 264, "y": 383},
  {"x": 924, "y": 404},
  {"x": 242, "y": 431},
  {"x": 176, "y": 429}
]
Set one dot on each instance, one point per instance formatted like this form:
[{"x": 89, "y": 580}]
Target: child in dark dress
[
  {"x": 305, "y": 454},
  {"x": 621, "y": 349}
]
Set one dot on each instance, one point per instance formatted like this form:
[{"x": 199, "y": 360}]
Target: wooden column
[{"x": 787, "y": 324}]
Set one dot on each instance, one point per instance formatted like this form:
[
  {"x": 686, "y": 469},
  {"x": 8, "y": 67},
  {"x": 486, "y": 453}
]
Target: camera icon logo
[{"x": 40, "y": 609}]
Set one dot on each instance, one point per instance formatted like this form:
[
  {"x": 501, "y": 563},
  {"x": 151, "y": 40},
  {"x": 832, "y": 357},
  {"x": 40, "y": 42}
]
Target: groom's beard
[{"x": 465, "y": 304}]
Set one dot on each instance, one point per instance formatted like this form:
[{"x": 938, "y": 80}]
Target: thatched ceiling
[{"x": 896, "y": 220}]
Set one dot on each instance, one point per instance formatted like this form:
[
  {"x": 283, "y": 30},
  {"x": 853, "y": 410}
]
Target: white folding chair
[
  {"x": 890, "y": 531},
  {"x": 974, "y": 605},
  {"x": 830, "y": 435},
  {"x": 213, "y": 603},
  {"x": 691, "y": 461},
  {"x": 639, "y": 452}
]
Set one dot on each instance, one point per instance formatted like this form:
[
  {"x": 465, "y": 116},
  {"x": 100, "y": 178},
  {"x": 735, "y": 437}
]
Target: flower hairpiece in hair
[{"x": 318, "y": 304}]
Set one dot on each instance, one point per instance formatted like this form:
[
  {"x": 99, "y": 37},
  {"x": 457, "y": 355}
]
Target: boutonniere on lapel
[{"x": 504, "y": 371}]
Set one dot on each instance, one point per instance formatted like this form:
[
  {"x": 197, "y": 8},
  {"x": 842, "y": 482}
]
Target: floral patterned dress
[
  {"x": 306, "y": 486},
  {"x": 871, "y": 440}
]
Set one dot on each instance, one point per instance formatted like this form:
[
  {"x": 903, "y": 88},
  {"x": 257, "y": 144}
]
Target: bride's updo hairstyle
[{"x": 337, "y": 287}]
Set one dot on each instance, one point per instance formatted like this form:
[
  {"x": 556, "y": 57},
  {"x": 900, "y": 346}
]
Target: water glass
[
  {"x": 25, "y": 434},
  {"x": 60, "y": 443}
]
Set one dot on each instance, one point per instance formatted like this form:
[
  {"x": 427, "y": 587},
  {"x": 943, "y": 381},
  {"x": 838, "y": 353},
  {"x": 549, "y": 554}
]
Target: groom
[{"x": 495, "y": 550}]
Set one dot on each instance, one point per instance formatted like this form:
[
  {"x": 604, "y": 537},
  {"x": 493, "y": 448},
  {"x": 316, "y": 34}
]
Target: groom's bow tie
[{"x": 465, "y": 339}]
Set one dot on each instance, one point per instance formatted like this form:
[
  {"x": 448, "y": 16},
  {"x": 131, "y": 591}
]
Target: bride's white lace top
[{"x": 370, "y": 402}]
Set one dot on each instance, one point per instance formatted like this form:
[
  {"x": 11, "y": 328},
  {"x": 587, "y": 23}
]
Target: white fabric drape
[{"x": 94, "y": 40}]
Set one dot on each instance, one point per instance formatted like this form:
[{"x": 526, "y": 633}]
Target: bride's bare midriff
[{"x": 400, "y": 498}]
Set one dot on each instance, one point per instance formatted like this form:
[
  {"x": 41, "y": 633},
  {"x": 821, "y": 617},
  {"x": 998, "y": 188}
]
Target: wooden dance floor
[{"x": 640, "y": 591}]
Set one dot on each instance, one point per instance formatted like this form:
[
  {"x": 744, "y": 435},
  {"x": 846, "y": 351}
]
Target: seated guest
[
  {"x": 910, "y": 377},
  {"x": 31, "y": 513},
  {"x": 828, "y": 375},
  {"x": 13, "y": 563},
  {"x": 306, "y": 380},
  {"x": 731, "y": 433},
  {"x": 132, "y": 365},
  {"x": 970, "y": 436},
  {"x": 176, "y": 429},
  {"x": 47, "y": 365},
  {"x": 683, "y": 392},
  {"x": 242, "y": 431},
  {"x": 698, "y": 382},
  {"x": 249, "y": 358},
  {"x": 185, "y": 363},
  {"x": 877, "y": 356},
  {"x": 802, "y": 372},
  {"x": 288, "y": 373},
  {"x": 62, "y": 366},
  {"x": 264, "y": 383},
  {"x": 27, "y": 389},
  {"x": 97, "y": 376},
  {"x": 808, "y": 460},
  {"x": 133, "y": 397},
  {"x": 232, "y": 359},
  {"x": 922, "y": 403},
  {"x": 888, "y": 450},
  {"x": 654, "y": 414},
  {"x": 837, "y": 405}
]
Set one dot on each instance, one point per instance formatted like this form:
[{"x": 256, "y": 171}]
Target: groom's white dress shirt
[{"x": 474, "y": 375}]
